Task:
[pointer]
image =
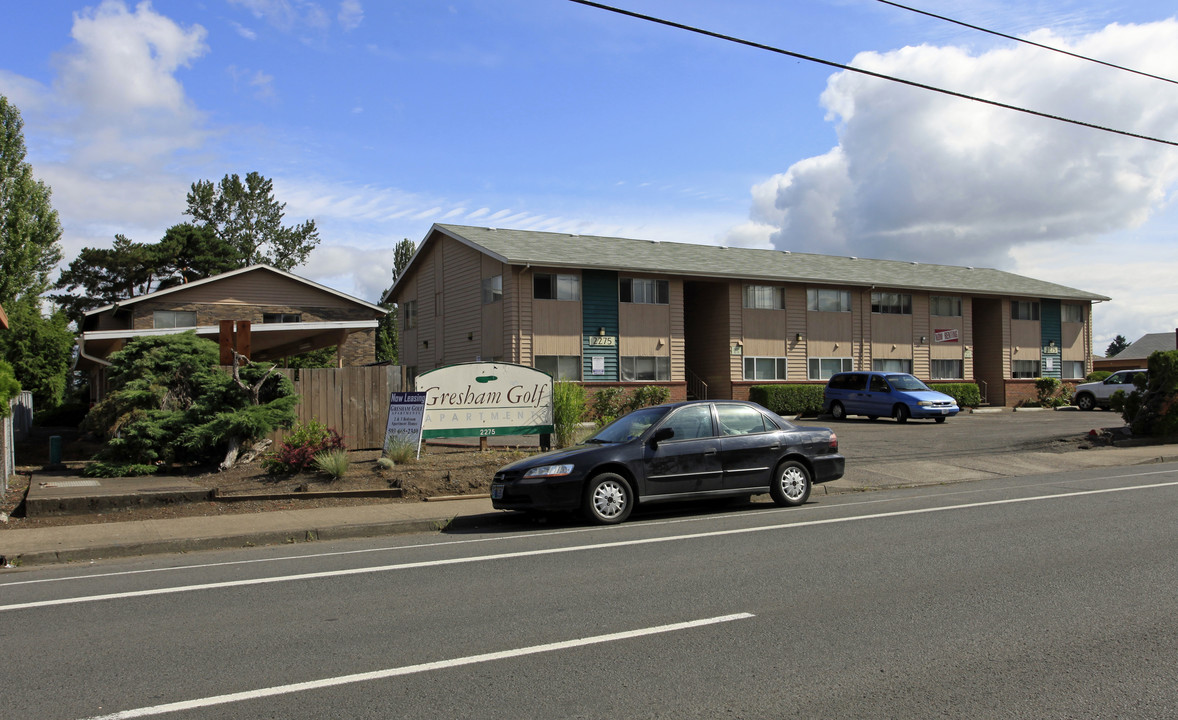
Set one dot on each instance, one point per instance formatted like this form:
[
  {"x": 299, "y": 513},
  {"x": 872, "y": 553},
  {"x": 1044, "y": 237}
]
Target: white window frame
[
  {"x": 777, "y": 366},
  {"x": 629, "y": 367},
  {"x": 846, "y": 364}
]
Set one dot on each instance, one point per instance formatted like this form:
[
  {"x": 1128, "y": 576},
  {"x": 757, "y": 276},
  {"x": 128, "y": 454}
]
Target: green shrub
[
  {"x": 966, "y": 394},
  {"x": 1052, "y": 392},
  {"x": 606, "y": 405},
  {"x": 1097, "y": 375},
  {"x": 114, "y": 470},
  {"x": 646, "y": 396},
  {"x": 568, "y": 407},
  {"x": 1154, "y": 405},
  {"x": 332, "y": 462},
  {"x": 789, "y": 399},
  {"x": 297, "y": 452}
]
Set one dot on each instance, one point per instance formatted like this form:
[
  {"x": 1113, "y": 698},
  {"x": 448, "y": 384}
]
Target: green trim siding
[
  {"x": 1051, "y": 330},
  {"x": 599, "y": 309}
]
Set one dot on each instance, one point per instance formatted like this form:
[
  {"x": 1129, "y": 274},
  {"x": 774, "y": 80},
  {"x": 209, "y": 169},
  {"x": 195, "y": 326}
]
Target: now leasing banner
[{"x": 484, "y": 399}]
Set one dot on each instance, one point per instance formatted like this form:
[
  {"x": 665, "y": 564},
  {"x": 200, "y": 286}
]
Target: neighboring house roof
[
  {"x": 232, "y": 273},
  {"x": 268, "y": 340},
  {"x": 1147, "y": 345},
  {"x": 546, "y": 249}
]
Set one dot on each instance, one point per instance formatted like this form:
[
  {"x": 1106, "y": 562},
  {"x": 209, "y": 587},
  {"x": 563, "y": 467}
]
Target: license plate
[
  {"x": 944, "y": 411},
  {"x": 496, "y": 492}
]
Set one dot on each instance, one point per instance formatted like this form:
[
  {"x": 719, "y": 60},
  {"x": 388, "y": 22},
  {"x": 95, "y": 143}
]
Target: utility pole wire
[
  {"x": 1028, "y": 42},
  {"x": 850, "y": 68}
]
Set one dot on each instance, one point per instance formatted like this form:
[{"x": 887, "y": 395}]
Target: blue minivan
[{"x": 880, "y": 394}]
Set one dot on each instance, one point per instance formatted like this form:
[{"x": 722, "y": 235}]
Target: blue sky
[{"x": 378, "y": 119}]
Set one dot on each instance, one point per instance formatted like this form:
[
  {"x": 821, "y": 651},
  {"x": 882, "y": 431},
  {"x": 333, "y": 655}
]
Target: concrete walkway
[{"x": 75, "y": 543}]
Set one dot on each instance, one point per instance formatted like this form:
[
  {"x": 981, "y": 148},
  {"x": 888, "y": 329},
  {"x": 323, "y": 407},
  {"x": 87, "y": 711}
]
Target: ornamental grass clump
[
  {"x": 400, "y": 450},
  {"x": 333, "y": 463}
]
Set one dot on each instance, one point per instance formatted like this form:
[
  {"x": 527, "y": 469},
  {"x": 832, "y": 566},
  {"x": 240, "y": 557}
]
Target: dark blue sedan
[{"x": 681, "y": 451}]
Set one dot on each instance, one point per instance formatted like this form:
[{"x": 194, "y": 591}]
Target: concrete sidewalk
[{"x": 75, "y": 543}]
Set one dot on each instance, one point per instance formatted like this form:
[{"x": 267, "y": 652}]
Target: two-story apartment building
[{"x": 703, "y": 319}]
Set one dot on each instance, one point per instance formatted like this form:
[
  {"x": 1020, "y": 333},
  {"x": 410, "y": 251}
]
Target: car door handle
[{"x": 710, "y": 452}]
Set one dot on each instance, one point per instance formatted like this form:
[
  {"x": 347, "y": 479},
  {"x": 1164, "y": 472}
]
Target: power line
[
  {"x": 850, "y": 68},
  {"x": 1028, "y": 42}
]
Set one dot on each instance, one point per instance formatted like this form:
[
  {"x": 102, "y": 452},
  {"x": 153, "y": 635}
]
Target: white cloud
[
  {"x": 351, "y": 14},
  {"x": 918, "y": 175}
]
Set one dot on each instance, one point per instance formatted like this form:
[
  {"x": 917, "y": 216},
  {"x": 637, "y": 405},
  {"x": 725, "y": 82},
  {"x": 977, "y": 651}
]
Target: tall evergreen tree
[
  {"x": 1118, "y": 344},
  {"x": 246, "y": 215},
  {"x": 387, "y": 332},
  {"x": 29, "y": 227}
]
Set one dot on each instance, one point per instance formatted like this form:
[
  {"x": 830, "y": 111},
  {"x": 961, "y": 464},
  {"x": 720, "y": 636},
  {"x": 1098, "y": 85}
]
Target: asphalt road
[{"x": 1033, "y": 597}]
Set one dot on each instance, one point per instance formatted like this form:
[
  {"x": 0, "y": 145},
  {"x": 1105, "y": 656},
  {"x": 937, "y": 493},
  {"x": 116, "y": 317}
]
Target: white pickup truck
[{"x": 1098, "y": 394}]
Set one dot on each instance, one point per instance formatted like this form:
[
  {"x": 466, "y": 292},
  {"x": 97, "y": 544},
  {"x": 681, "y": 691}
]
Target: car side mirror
[{"x": 663, "y": 433}]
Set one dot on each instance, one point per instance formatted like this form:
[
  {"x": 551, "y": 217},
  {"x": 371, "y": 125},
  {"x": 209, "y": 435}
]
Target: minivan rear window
[{"x": 848, "y": 381}]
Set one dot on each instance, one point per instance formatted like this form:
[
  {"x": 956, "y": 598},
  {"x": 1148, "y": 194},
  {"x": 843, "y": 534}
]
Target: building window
[
  {"x": 828, "y": 300},
  {"x": 1025, "y": 368},
  {"x": 560, "y": 367},
  {"x": 492, "y": 289},
  {"x": 888, "y": 303},
  {"x": 549, "y": 286},
  {"x": 892, "y": 365},
  {"x": 1024, "y": 310},
  {"x": 173, "y": 318},
  {"x": 764, "y": 368},
  {"x": 823, "y": 368},
  {"x": 1073, "y": 369},
  {"x": 945, "y": 306},
  {"x": 645, "y": 290},
  {"x": 657, "y": 367},
  {"x": 1072, "y": 313},
  {"x": 947, "y": 370},
  {"x": 410, "y": 314},
  {"x": 764, "y": 297},
  {"x": 281, "y": 318}
]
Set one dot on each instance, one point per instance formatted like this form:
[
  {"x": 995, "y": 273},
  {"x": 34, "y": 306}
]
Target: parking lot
[{"x": 998, "y": 431}]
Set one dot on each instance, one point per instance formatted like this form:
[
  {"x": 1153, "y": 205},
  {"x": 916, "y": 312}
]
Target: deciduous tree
[{"x": 29, "y": 228}]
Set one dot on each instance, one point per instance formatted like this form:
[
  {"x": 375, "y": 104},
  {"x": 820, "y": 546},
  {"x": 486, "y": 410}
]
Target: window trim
[
  {"x": 960, "y": 364},
  {"x": 1031, "y": 306},
  {"x": 1017, "y": 375},
  {"x": 661, "y": 363},
  {"x": 907, "y": 370},
  {"x": 1064, "y": 307},
  {"x": 779, "y": 364},
  {"x": 847, "y": 365},
  {"x": 493, "y": 288}
]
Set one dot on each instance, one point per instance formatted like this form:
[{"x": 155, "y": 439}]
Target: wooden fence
[
  {"x": 13, "y": 428},
  {"x": 353, "y": 400}
]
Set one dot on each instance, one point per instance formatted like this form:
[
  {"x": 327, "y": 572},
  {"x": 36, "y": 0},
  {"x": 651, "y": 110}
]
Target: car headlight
[
  {"x": 925, "y": 403},
  {"x": 549, "y": 471}
]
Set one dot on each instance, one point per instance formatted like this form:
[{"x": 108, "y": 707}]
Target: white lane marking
[
  {"x": 412, "y": 669},
  {"x": 539, "y": 534},
  {"x": 562, "y": 550}
]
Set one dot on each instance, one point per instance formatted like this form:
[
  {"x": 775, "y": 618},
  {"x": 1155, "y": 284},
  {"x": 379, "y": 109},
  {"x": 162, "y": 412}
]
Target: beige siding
[
  {"x": 492, "y": 315},
  {"x": 461, "y": 303},
  {"x": 795, "y": 326},
  {"x": 920, "y": 329},
  {"x": 678, "y": 342},
  {"x": 645, "y": 329},
  {"x": 736, "y": 329},
  {"x": 260, "y": 287},
  {"x": 1026, "y": 337},
  {"x": 556, "y": 327}
]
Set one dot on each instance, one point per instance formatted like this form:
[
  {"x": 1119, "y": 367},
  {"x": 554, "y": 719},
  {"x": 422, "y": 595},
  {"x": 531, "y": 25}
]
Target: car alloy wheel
[
  {"x": 900, "y": 413},
  {"x": 838, "y": 412},
  {"x": 791, "y": 484},
  {"x": 1086, "y": 402},
  {"x": 608, "y": 499}
]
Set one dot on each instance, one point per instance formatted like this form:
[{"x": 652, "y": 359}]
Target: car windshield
[
  {"x": 906, "y": 382},
  {"x": 629, "y": 426}
]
